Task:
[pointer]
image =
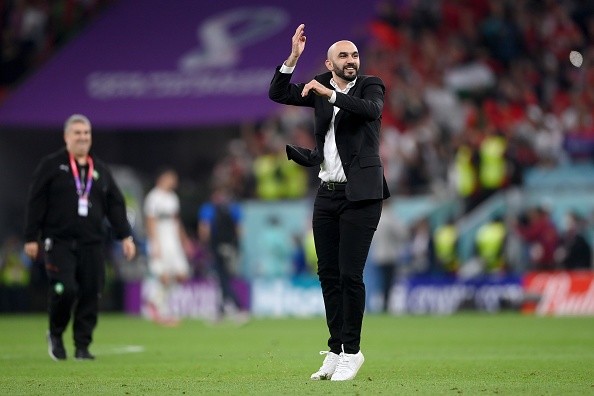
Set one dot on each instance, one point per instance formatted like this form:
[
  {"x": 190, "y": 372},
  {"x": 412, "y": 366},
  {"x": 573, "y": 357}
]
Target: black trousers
[
  {"x": 76, "y": 274},
  {"x": 342, "y": 233},
  {"x": 222, "y": 257}
]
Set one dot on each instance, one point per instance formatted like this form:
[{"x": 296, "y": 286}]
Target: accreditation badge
[{"x": 83, "y": 206}]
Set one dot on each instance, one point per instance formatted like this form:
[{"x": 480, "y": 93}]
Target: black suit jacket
[{"x": 357, "y": 127}]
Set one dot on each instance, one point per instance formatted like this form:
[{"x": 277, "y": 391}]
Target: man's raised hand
[{"x": 297, "y": 46}]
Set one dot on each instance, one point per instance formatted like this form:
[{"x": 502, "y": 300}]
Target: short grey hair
[{"x": 74, "y": 118}]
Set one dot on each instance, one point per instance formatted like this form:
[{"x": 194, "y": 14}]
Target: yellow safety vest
[
  {"x": 465, "y": 172},
  {"x": 268, "y": 186},
  {"x": 445, "y": 246},
  {"x": 492, "y": 169},
  {"x": 13, "y": 272},
  {"x": 294, "y": 180},
  {"x": 489, "y": 241},
  {"x": 277, "y": 178}
]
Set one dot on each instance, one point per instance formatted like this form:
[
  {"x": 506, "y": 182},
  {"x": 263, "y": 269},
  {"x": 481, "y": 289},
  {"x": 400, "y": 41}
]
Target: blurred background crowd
[{"x": 482, "y": 103}]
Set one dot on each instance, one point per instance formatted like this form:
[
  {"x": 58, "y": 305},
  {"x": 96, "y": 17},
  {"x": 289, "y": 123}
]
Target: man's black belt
[{"x": 332, "y": 186}]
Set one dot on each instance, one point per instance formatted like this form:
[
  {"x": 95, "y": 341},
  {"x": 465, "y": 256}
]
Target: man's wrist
[
  {"x": 286, "y": 69},
  {"x": 291, "y": 60},
  {"x": 332, "y": 98}
]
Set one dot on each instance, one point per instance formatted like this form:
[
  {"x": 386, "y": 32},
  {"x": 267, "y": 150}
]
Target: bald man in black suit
[{"x": 348, "y": 205}]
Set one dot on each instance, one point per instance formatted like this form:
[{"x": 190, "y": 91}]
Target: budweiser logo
[{"x": 562, "y": 293}]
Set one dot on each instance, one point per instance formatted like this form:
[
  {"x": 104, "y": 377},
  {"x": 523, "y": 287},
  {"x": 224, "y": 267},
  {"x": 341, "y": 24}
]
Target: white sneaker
[
  {"x": 348, "y": 366},
  {"x": 325, "y": 372}
]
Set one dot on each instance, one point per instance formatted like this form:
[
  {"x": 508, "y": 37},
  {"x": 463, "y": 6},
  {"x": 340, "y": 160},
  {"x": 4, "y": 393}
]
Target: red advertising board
[{"x": 559, "y": 293}]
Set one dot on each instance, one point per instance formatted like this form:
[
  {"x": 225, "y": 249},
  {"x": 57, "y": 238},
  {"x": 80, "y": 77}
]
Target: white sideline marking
[
  {"x": 116, "y": 350},
  {"x": 121, "y": 350}
]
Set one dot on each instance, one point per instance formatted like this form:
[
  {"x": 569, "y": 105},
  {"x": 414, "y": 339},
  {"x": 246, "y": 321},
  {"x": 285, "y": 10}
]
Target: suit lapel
[{"x": 324, "y": 118}]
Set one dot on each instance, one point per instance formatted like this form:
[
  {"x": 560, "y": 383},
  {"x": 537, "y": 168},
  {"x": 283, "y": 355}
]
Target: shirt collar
[{"x": 349, "y": 85}]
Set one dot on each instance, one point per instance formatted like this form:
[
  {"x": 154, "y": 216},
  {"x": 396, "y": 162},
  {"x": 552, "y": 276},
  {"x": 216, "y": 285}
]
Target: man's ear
[{"x": 328, "y": 64}]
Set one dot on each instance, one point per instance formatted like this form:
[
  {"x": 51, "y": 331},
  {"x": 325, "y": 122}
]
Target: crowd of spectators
[
  {"x": 31, "y": 31},
  {"x": 501, "y": 246}
]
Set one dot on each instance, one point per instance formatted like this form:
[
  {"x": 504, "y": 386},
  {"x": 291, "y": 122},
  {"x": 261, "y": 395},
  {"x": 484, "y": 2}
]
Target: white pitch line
[
  {"x": 121, "y": 350},
  {"x": 116, "y": 350}
]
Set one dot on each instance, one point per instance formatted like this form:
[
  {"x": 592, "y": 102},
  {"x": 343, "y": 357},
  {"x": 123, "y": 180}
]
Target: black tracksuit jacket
[{"x": 52, "y": 206}]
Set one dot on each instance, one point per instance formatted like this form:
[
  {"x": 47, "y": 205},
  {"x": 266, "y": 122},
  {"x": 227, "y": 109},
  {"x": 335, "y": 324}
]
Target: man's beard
[{"x": 340, "y": 72}]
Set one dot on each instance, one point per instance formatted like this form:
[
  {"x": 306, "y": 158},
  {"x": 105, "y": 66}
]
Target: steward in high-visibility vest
[
  {"x": 493, "y": 167},
  {"x": 268, "y": 184},
  {"x": 445, "y": 245},
  {"x": 277, "y": 178},
  {"x": 13, "y": 271},
  {"x": 490, "y": 243},
  {"x": 466, "y": 175}
]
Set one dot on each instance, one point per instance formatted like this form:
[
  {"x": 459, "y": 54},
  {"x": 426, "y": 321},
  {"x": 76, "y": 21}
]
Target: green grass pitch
[{"x": 471, "y": 354}]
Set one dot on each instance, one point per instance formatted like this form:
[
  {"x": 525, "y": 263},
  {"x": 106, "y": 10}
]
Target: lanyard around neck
[{"x": 77, "y": 179}]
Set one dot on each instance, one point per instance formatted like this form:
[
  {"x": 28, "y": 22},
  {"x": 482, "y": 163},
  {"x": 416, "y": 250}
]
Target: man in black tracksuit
[{"x": 71, "y": 195}]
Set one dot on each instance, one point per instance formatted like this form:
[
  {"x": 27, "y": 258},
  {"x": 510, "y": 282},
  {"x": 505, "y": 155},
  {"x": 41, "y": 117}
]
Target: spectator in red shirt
[{"x": 541, "y": 235}]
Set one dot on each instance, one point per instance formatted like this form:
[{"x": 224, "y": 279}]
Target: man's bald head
[{"x": 342, "y": 45}]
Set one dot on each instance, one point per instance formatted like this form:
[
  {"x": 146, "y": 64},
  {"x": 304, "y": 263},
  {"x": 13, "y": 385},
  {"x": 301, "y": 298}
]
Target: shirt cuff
[
  {"x": 286, "y": 69},
  {"x": 332, "y": 98}
]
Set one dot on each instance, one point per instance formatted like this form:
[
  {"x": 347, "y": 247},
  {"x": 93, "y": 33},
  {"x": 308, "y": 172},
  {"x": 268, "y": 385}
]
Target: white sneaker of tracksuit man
[{"x": 341, "y": 367}]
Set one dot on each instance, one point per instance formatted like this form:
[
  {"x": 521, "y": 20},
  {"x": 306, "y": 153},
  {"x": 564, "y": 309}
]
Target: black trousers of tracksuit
[
  {"x": 342, "y": 234},
  {"x": 76, "y": 274}
]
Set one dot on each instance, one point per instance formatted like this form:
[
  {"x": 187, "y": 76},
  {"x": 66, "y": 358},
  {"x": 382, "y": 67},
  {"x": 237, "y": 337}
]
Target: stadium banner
[
  {"x": 197, "y": 299},
  {"x": 161, "y": 64},
  {"x": 559, "y": 293},
  {"x": 444, "y": 296},
  {"x": 282, "y": 297}
]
